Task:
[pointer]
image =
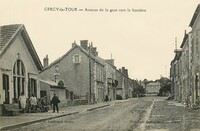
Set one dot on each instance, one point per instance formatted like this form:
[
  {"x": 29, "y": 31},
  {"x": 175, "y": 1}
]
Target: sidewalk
[
  {"x": 7, "y": 122},
  {"x": 173, "y": 116}
]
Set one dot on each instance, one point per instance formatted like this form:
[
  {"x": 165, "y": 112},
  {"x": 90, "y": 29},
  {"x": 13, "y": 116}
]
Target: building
[
  {"x": 81, "y": 71},
  {"x": 125, "y": 84},
  {"x": 49, "y": 88},
  {"x": 185, "y": 67},
  {"x": 195, "y": 56},
  {"x": 131, "y": 87},
  {"x": 111, "y": 82},
  {"x": 153, "y": 88},
  {"x": 19, "y": 64}
]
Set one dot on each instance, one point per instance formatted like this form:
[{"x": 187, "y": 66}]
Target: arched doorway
[{"x": 18, "y": 79}]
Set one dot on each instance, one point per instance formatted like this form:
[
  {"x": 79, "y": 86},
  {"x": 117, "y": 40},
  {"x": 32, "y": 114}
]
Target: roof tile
[{"x": 6, "y": 33}]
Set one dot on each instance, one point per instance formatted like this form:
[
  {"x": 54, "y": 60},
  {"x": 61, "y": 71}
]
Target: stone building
[
  {"x": 80, "y": 70},
  {"x": 111, "y": 82},
  {"x": 153, "y": 88},
  {"x": 125, "y": 84},
  {"x": 195, "y": 56},
  {"x": 185, "y": 67}
]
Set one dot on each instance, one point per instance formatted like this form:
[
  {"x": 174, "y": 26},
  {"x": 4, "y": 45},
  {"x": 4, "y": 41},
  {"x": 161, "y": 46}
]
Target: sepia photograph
[{"x": 73, "y": 65}]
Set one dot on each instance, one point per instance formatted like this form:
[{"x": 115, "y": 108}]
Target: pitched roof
[
  {"x": 81, "y": 49},
  {"x": 184, "y": 40},
  {"x": 153, "y": 84},
  {"x": 195, "y": 15},
  {"x": 123, "y": 74},
  {"x": 101, "y": 60},
  {"x": 8, "y": 34},
  {"x": 52, "y": 83}
]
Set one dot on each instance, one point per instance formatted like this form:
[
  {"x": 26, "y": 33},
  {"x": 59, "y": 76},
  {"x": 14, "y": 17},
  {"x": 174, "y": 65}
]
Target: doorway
[{"x": 6, "y": 88}]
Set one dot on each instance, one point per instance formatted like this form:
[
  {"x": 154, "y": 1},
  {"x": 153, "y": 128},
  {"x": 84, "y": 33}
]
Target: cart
[{"x": 40, "y": 107}]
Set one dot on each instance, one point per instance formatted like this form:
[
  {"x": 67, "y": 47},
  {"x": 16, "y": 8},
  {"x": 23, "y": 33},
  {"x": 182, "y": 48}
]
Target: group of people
[
  {"x": 33, "y": 102},
  {"x": 23, "y": 102}
]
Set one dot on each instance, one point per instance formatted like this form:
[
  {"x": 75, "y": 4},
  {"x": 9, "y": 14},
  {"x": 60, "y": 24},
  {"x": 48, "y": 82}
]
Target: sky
[{"x": 142, "y": 41}]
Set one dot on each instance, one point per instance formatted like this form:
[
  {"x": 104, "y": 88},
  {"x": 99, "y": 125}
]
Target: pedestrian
[
  {"x": 33, "y": 102},
  {"x": 22, "y": 102},
  {"x": 106, "y": 99},
  {"x": 55, "y": 102}
]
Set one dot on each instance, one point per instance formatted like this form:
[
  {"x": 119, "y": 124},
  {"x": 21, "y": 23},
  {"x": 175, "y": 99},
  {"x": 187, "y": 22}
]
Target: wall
[
  {"x": 74, "y": 76},
  {"x": 153, "y": 88},
  {"x": 110, "y": 73},
  {"x": 196, "y": 59},
  {"x": 8, "y": 60},
  {"x": 45, "y": 87}
]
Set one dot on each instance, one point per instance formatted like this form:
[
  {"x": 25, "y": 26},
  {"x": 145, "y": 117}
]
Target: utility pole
[
  {"x": 189, "y": 68},
  {"x": 90, "y": 79}
]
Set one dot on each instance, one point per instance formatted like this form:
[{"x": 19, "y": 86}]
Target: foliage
[
  {"x": 165, "y": 86},
  {"x": 139, "y": 90},
  {"x": 165, "y": 90}
]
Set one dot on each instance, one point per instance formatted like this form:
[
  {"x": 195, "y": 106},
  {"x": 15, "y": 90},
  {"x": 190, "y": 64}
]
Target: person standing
[
  {"x": 33, "y": 102},
  {"x": 22, "y": 102},
  {"x": 106, "y": 99},
  {"x": 55, "y": 102}
]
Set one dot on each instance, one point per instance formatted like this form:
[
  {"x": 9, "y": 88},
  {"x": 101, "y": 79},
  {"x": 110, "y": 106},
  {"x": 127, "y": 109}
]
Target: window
[
  {"x": 97, "y": 74},
  {"x": 101, "y": 74},
  {"x": 192, "y": 49},
  {"x": 197, "y": 42},
  {"x": 32, "y": 87},
  {"x": 18, "y": 78},
  {"x": 67, "y": 94},
  {"x": 77, "y": 58}
]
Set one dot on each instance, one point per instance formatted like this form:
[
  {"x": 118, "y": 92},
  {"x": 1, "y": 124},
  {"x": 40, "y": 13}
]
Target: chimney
[
  {"x": 84, "y": 44},
  {"x": 96, "y": 54},
  {"x": 94, "y": 50},
  {"x": 126, "y": 72},
  {"x": 46, "y": 61},
  {"x": 73, "y": 44},
  {"x": 123, "y": 70}
]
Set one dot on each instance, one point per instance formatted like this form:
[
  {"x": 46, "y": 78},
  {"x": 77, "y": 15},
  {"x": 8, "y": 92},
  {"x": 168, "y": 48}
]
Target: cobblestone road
[
  {"x": 121, "y": 116},
  {"x": 147, "y": 113}
]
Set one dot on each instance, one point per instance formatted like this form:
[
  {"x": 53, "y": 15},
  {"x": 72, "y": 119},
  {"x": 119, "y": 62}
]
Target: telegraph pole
[{"x": 90, "y": 86}]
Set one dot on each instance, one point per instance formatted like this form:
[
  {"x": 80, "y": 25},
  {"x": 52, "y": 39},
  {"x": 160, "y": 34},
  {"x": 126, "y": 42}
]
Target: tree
[
  {"x": 165, "y": 84},
  {"x": 145, "y": 81}
]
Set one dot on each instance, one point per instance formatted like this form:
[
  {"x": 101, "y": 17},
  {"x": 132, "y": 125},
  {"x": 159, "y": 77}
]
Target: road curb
[
  {"x": 35, "y": 121},
  {"x": 49, "y": 118},
  {"x": 97, "y": 107}
]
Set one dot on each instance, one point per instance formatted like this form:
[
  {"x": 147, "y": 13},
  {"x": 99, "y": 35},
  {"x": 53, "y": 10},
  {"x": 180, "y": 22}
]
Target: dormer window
[{"x": 77, "y": 59}]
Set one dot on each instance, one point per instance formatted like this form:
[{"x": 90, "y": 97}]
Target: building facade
[
  {"x": 81, "y": 72},
  {"x": 111, "y": 82},
  {"x": 185, "y": 67},
  {"x": 125, "y": 84},
  {"x": 49, "y": 88},
  {"x": 19, "y": 65},
  {"x": 195, "y": 55},
  {"x": 153, "y": 88}
]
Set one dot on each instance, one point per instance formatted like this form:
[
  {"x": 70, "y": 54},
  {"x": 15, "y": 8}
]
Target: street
[{"x": 147, "y": 113}]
